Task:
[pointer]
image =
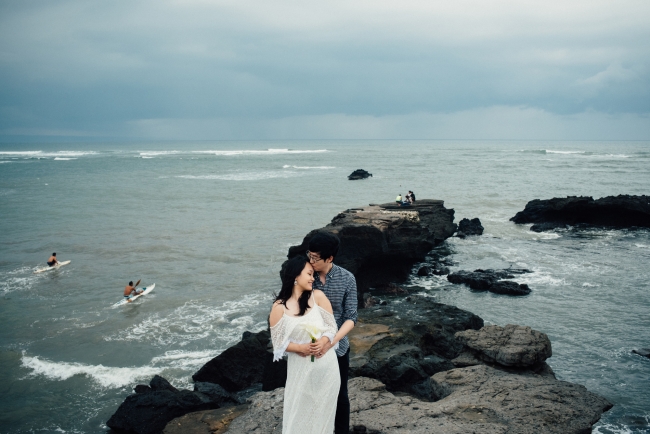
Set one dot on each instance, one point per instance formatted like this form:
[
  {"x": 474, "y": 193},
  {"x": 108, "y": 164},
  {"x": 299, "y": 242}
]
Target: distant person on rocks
[
  {"x": 398, "y": 199},
  {"x": 411, "y": 197},
  {"x": 130, "y": 290},
  {"x": 340, "y": 287},
  {"x": 52, "y": 261}
]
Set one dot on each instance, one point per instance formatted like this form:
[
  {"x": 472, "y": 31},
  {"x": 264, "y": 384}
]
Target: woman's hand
[
  {"x": 320, "y": 347},
  {"x": 302, "y": 350}
]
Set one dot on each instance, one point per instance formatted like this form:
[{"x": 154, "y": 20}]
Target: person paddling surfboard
[
  {"x": 52, "y": 261},
  {"x": 130, "y": 290}
]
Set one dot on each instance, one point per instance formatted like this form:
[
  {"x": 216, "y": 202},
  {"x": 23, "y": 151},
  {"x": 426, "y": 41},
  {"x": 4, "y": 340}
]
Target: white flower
[{"x": 315, "y": 331}]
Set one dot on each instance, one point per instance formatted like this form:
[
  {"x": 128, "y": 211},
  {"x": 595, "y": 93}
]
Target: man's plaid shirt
[{"x": 341, "y": 290}]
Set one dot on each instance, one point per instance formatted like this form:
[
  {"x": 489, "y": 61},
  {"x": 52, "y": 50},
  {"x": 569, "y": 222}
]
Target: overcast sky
[{"x": 214, "y": 70}]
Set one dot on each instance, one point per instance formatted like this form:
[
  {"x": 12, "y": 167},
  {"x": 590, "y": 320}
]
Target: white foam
[
  {"x": 109, "y": 377},
  {"x": 589, "y": 285},
  {"x": 543, "y": 235},
  {"x": 194, "y": 321},
  {"x": 21, "y": 153},
  {"x": 244, "y": 176},
  {"x": 642, "y": 246},
  {"x": 19, "y": 279},
  {"x": 609, "y": 428},
  {"x": 151, "y": 154},
  {"x": 187, "y": 360},
  {"x": 270, "y": 151},
  {"x": 287, "y": 166},
  {"x": 550, "y": 151},
  {"x": 63, "y": 159},
  {"x": 6, "y": 162},
  {"x": 41, "y": 154}
]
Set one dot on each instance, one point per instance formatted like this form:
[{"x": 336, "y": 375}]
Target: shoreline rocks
[
  {"x": 478, "y": 399},
  {"x": 622, "y": 211},
  {"x": 359, "y": 174},
  {"x": 490, "y": 280},
  {"x": 380, "y": 243},
  {"x": 467, "y": 227}
]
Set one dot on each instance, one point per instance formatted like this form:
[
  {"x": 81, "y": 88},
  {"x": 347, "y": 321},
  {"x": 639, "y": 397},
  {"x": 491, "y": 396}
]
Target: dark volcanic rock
[
  {"x": 240, "y": 366},
  {"x": 512, "y": 345},
  {"x": 205, "y": 422},
  {"x": 359, "y": 174},
  {"x": 645, "y": 352},
  {"x": 380, "y": 243},
  {"x": 468, "y": 227},
  {"x": 149, "y": 412},
  {"x": 477, "y": 399},
  {"x": 509, "y": 287},
  {"x": 424, "y": 271},
  {"x": 406, "y": 342},
  {"x": 216, "y": 393},
  {"x": 490, "y": 280},
  {"x": 621, "y": 211}
]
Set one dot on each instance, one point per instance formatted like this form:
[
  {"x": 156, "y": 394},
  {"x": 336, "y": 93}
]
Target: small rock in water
[
  {"x": 424, "y": 271},
  {"x": 359, "y": 174},
  {"x": 645, "y": 352},
  {"x": 469, "y": 227}
]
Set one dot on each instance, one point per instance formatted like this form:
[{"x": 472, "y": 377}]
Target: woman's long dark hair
[{"x": 290, "y": 270}]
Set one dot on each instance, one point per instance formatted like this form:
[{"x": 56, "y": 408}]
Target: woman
[{"x": 313, "y": 379}]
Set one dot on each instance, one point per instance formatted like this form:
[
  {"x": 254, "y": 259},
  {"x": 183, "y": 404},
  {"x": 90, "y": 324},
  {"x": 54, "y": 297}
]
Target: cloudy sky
[{"x": 284, "y": 69}]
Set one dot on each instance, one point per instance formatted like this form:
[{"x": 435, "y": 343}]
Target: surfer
[
  {"x": 130, "y": 290},
  {"x": 52, "y": 261}
]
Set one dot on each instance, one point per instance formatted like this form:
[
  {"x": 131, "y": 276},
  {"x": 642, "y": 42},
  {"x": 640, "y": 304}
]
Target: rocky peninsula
[{"x": 418, "y": 366}]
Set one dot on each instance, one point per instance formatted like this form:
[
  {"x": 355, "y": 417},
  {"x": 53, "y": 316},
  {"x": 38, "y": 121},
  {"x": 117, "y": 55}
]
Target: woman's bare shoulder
[{"x": 277, "y": 311}]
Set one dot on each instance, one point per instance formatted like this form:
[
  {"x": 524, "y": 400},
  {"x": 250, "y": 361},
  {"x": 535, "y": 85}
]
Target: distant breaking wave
[
  {"x": 245, "y": 176},
  {"x": 287, "y": 166},
  {"x": 261, "y": 152}
]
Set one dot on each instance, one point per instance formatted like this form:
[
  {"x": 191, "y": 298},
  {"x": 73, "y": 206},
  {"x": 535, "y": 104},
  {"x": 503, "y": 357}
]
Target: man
[
  {"x": 52, "y": 261},
  {"x": 412, "y": 199},
  {"x": 340, "y": 287},
  {"x": 398, "y": 199},
  {"x": 130, "y": 290}
]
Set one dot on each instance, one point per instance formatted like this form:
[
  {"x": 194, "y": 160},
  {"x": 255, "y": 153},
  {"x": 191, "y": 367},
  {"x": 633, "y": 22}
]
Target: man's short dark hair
[
  {"x": 53, "y": 254},
  {"x": 131, "y": 283},
  {"x": 325, "y": 244}
]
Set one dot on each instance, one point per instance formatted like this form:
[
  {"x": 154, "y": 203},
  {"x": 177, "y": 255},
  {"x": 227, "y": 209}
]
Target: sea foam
[
  {"x": 244, "y": 176},
  {"x": 105, "y": 376}
]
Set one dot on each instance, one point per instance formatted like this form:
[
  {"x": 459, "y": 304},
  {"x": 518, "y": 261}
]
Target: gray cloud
[{"x": 290, "y": 69}]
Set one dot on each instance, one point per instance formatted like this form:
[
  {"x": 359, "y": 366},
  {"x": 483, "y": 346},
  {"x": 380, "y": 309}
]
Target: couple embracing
[{"x": 310, "y": 318}]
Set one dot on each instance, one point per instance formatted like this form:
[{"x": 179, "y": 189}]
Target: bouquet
[{"x": 315, "y": 332}]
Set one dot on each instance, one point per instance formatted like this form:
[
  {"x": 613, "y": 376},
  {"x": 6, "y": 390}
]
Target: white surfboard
[
  {"x": 146, "y": 290},
  {"x": 56, "y": 267}
]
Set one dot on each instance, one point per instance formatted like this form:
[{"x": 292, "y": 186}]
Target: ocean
[{"x": 210, "y": 223}]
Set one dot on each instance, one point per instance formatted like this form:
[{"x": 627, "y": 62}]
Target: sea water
[{"x": 211, "y": 222}]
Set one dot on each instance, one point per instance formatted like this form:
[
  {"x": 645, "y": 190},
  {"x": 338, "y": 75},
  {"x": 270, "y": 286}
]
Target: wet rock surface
[
  {"x": 205, "y": 422},
  {"x": 622, "y": 211},
  {"x": 490, "y": 280},
  {"x": 477, "y": 399},
  {"x": 149, "y": 411},
  {"x": 467, "y": 227},
  {"x": 512, "y": 345},
  {"x": 380, "y": 243},
  {"x": 359, "y": 174}
]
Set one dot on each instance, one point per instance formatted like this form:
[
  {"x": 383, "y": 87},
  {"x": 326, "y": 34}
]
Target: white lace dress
[{"x": 312, "y": 387}]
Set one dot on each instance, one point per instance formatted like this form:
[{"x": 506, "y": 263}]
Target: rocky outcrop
[
  {"x": 490, "y": 280},
  {"x": 380, "y": 243},
  {"x": 359, "y": 174},
  {"x": 477, "y": 399},
  {"x": 150, "y": 409},
  {"x": 240, "y": 366},
  {"x": 512, "y": 345},
  {"x": 623, "y": 211},
  {"x": 468, "y": 227},
  {"x": 403, "y": 344}
]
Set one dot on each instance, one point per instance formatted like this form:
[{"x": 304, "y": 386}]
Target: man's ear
[{"x": 330, "y": 259}]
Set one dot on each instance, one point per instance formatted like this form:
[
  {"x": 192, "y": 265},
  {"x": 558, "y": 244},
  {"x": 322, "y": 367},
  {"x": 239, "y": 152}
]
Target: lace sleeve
[
  {"x": 330, "y": 326},
  {"x": 280, "y": 339}
]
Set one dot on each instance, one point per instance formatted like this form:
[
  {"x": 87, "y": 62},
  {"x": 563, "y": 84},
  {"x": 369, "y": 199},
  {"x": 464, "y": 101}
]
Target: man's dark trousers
[{"x": 342, "y": 420}]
